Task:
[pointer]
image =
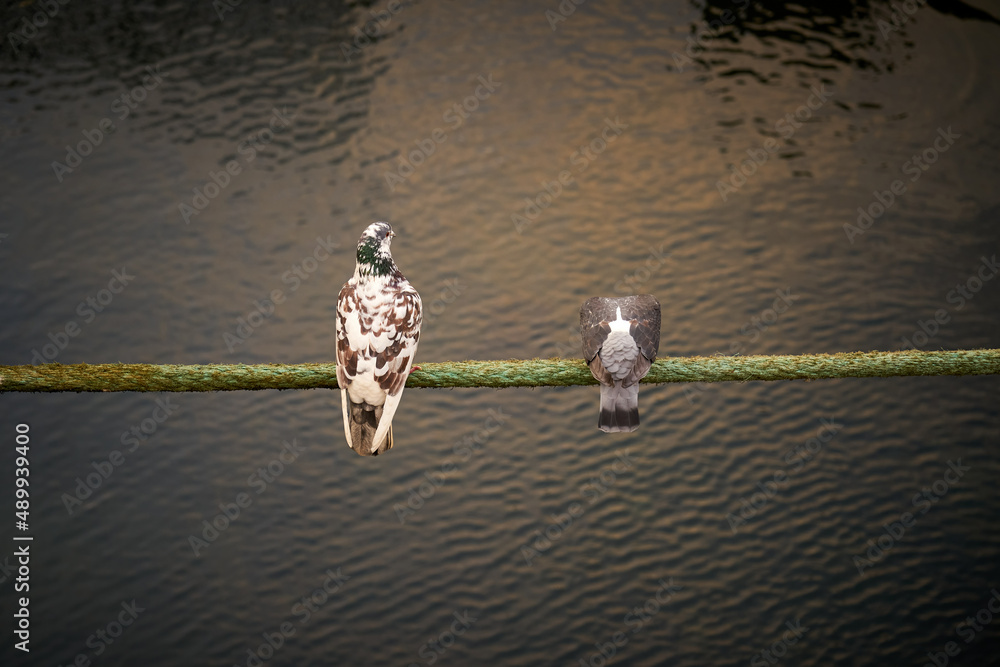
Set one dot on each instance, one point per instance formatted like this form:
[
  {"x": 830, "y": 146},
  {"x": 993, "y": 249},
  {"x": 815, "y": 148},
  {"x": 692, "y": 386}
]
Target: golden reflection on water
[{"x": 582, "y": 160}]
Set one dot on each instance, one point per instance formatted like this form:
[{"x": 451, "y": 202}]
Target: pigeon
[
  {"x": 620, "y": 338},
  {"x": 378, "y": 325}
]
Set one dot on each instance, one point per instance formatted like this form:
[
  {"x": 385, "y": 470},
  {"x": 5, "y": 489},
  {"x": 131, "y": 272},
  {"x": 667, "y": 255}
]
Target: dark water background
[{"x": 644, "y": 207}]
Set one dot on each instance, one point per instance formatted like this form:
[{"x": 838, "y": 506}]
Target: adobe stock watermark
[
  {"x": 752, "y": 329},
  {"x": 566, "y": 9},
  {"x": 123, "y": 105},
  {"x": 163, "y": 409},
  {"x": 893, "y": 532},
  {"x": 102, "y": 638},
  {"x": 634, "y": 620},
  {"x": 795, "y": 459},
  {"x": 786, "y": 127},
  {"x": 594, "y": 490},
  {"x": 302, "y": 610},
  {"x": 768, "y": 317},
  {"x": 88, "y": 309},
  {"x": 247, "y": 149},
  {"x": 448, "y": 293},
  {"x": 223, "y": 7},
  {"x": 967, "y": 630},
  {"x": 258, "y": 481},
  {"x": 28, "y": 30},
  {"x": 899, "y": 17},
  {"x": 914, "y": 168},
  {"x": 364, "y": 35},
  {"x": 580, "y": 159},
  {"x": 455, "y": 116},
  {"x": 264, "y": 308},
  {"x": 779, "y": 648},
  {"x": 570, "y": 347},
  {"x": 464, "y": 449},
  {"x": 959, "y": 296},
  {"x": 6, "y": 570},
  {"x": 701, "y": 38},
  {"x": 631, "y": 283},
  {"x": 435, "y": 648}
]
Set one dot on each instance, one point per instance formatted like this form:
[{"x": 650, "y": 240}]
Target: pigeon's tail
[
  {"x": 619, "y": 408},
  {"x": 364, "y": 423}
]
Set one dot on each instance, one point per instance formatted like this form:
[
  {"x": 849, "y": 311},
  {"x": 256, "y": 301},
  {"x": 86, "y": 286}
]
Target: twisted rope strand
[{"x": 497, "y": 374}]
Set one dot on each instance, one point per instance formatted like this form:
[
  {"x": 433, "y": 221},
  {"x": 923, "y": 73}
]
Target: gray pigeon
[
  {"x": 378, "y": 326},
  {"x": 620, "y": 338}
]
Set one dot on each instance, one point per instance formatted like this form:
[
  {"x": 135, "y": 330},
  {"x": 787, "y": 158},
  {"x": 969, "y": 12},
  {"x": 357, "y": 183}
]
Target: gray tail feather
[
  {"x": 619, "y": 408},
  {"x": 364, "y": 423}
]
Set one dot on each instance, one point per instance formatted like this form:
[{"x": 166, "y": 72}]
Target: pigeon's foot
[{"x": 415, "y": 368}]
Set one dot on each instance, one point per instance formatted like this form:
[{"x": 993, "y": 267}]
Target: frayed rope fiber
[{"x": 496, "y": 374}]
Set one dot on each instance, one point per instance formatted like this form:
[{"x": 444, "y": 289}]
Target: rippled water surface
[{"x": 529, "y": 160}]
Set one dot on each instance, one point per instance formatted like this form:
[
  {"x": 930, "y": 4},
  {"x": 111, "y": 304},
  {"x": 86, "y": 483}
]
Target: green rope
[{"x": 497, "y": 374}]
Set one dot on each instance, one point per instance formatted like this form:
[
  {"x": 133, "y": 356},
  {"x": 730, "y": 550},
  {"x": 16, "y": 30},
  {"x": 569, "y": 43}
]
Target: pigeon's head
[{"x": 374, "y": 257}]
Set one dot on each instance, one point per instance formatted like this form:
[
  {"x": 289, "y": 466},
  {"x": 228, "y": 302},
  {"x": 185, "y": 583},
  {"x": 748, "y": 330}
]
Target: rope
[{"x": 497, "y": 374}]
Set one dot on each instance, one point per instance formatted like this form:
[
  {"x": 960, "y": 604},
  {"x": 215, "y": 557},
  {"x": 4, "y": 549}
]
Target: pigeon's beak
[{"x": 391, "y": 234}]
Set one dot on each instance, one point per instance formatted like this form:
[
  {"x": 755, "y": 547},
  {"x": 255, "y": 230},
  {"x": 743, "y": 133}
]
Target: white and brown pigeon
[
  {"x": 378, "y": 325},
  {"x": 620, "y": 338}
]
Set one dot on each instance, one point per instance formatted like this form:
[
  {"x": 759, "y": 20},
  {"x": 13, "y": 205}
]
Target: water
[{"x": 629, "y": 129}]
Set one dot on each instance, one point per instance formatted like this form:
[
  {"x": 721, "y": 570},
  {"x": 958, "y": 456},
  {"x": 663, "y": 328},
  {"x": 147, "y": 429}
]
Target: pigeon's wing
[
  {"x": 347, "y": 355},
  {"x": 394, "y": 337},
  {"x": 594, "y": 331},
  {"x": 400, "y": 330},
  {"x": 595, "y": 314},
  {"x": 348, "y": 307},
  {"x": 644, "y": 311}
]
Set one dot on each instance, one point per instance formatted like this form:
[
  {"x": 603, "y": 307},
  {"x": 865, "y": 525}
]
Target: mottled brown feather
[{"x": 394, "y": 378}]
